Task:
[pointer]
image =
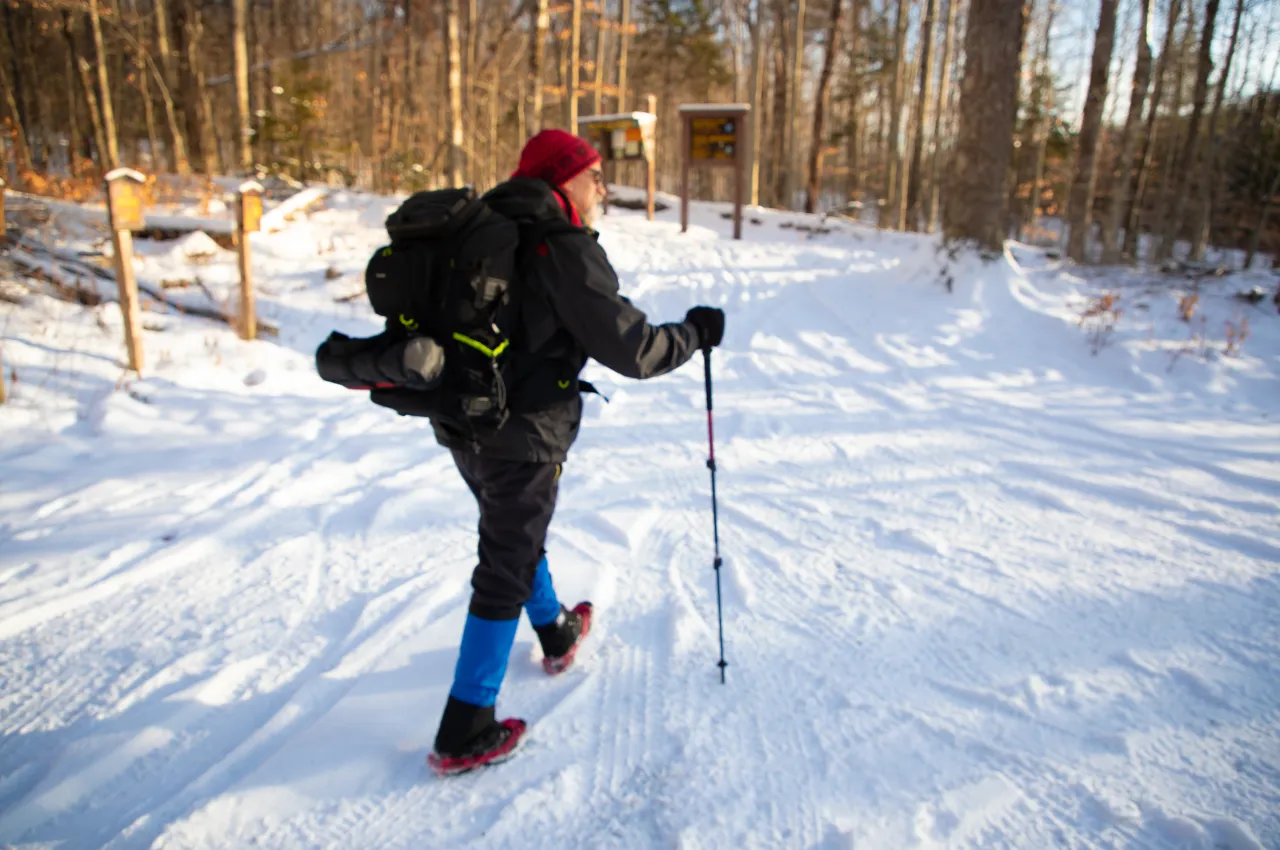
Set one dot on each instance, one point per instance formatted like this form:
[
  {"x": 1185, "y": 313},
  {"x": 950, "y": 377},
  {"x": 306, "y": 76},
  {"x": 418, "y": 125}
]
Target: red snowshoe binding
[
  {"x": 493, "y": 743},
  {"x": 561, "y": 638}
]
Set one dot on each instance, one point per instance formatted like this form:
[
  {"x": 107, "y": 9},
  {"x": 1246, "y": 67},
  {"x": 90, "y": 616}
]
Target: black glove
[{"x": 709, "y": 323}]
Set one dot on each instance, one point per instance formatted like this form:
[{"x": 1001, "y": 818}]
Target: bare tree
[
  {"x": 22, "y": 153},
  {"x": 1129, "y": 140},
  {"x": 914, "y": 214},
  {"x": 975, "y": 205},
  {"x": 1040, "y": 136},
  {"x": 453, "y": 53},
  {"x": 1209, "y": 180},
  {"x": 895, "y": 107},
  {"x": 1188, "y": 161},
  {"x": 794, "y": 98},
  {"x": 819, "y": 114},
  {"x": 944, "y": 91},
  {"x": 104, "y": 89},
  {"x": 575, "y": 58},
  {"x": 755, "y": 88},
  {"x": 240, "y": 52},
  {"x": 624, "y": 46},
  {"x": 1133, "y": 211},
  {"x": 538, "y": 33},
  {"x": 1086, "y": 175}
]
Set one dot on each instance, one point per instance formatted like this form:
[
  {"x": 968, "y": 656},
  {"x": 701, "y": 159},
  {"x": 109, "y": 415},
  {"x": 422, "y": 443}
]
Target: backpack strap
[{"x": 588, "y": 388}]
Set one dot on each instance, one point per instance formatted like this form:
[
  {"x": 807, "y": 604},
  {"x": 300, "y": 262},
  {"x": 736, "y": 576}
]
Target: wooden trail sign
[
  {"x": 621, "y": 138},
  {"x": 124, "y": 212},
  {"x": 715, "y": 136},
  {"x": 248, "y": 220}
]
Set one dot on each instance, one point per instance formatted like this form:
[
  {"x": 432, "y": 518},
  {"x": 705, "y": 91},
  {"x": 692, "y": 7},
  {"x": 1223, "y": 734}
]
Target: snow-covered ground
[{"x": 983, "y": 588}]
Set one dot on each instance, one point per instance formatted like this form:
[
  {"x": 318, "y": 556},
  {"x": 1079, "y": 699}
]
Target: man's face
[{"x": 586, "y": 191}]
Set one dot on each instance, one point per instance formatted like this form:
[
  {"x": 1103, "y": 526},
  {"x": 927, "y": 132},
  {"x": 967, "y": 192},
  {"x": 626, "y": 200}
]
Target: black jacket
[{"x": 569, "y": 310}]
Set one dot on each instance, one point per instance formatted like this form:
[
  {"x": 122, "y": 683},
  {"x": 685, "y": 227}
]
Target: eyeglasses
[{"x": 597, "y": 175}]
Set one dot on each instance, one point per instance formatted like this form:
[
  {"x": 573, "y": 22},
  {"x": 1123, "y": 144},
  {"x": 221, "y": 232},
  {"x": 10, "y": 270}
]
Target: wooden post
[
  {"x": 740, "y": 174},
  {"x": 652, "y": 164},
  {"x": 248, "y": 220},
  {"x": 124, "y": 213},
  {"x": 685, "y": 130},
  {"x": 715, "y": 136}
]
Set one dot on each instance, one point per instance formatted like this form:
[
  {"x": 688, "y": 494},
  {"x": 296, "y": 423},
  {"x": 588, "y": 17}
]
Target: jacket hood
[{"x": 526, "y": 199}]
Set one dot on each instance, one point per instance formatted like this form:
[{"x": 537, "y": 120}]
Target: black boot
[
  {"x": 470, "y": 737},
  {"x": 561, "y": 637}
]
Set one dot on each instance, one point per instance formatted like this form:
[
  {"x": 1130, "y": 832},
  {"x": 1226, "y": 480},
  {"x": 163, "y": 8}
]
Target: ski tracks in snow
[{"x": 977, "y": 593}]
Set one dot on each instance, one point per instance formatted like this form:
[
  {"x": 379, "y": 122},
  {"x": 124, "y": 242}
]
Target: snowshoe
[
  {"x": 561, "y": 638},
  {"x": 469, "y": 738}
]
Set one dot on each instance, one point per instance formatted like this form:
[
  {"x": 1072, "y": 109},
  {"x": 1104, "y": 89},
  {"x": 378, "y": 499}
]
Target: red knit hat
[{"x": 556, "y": 157}]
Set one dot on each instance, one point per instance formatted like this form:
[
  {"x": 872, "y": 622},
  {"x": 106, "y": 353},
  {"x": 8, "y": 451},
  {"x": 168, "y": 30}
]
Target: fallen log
[{"x": 54, "y": 265}]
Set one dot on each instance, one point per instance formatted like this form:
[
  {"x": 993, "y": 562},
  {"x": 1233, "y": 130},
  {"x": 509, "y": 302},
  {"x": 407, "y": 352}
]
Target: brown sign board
[
  {"x": 124, "y": 200},
  {"x": 626, "y": 137},
  {"x": 716, "y": 135},
  {"x": 713, "y": 140}
]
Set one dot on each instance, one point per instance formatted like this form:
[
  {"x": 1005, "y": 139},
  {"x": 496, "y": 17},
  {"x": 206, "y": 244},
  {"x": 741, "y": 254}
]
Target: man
[{"x": 570, "y": 311}]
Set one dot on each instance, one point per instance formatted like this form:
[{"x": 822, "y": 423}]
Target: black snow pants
[{"x": 517, "y": 499}]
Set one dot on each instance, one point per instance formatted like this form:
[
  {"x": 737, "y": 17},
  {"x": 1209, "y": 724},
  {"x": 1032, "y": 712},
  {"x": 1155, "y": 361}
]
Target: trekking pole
[{"x": 715, "y": 516}]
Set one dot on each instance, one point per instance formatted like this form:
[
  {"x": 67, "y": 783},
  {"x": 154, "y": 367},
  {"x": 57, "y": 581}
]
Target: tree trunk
[
  {"x": 795, "y": 95},
  {"x": 84, "y": 77},
  {"x": 895, "y": 109},
  {"x": 22, "y": 154},
  {"x": 1164, "y": 198},
  {"x": 95, "y": 115},
  {"x": 777, "y": 159},
  {"x": 140, "y": 60},
  {"x": 32, "y": 113},
  {"x": 1188, "y": 162},
  {"x": 988, "y": 107},
  {"x": 162, "y": 44},
  {"x": 575, "y": 57},
  {"x": 854, "y": 148},
  {"x": 624, "y": 45},
  {"x": 104, "y": 90},
  {"x": 597, "y": 98},
  {"x": 1209, "y": 179},
  {"x": 76, "y": 143},
  {"x": 537, "y": 52},
  {"x": 453, "y": 54},
  {"x": 1133, "y": 211},
  {"x": 199, "y": 133},
  {"x": 415, "y": 19},
  {"x": 819, "y": 115},
  {"x": 1044, "y": 82},
  {"x": 492, "y": 165},
  {"x": 168, "y": 67},
  {"x": 915, "y": 213},
  {"x": 1255, "y": 237},
  {"x": 756, "y": 98},
  {"x": 1128, "y": 141},
  {"x": 9, "y": 83},
  {"x": 1086, "y": 174}
]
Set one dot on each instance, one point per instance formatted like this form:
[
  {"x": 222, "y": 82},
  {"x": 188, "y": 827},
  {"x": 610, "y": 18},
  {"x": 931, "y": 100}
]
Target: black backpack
[{"x": 446, "y": 286}]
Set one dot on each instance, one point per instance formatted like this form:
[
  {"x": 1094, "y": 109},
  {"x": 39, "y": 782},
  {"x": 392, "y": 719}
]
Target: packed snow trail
[{"x": 982, "y": 589}]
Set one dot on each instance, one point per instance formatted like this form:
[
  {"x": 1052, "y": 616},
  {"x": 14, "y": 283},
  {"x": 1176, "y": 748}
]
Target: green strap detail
[{"x": 492, "y": 353}]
